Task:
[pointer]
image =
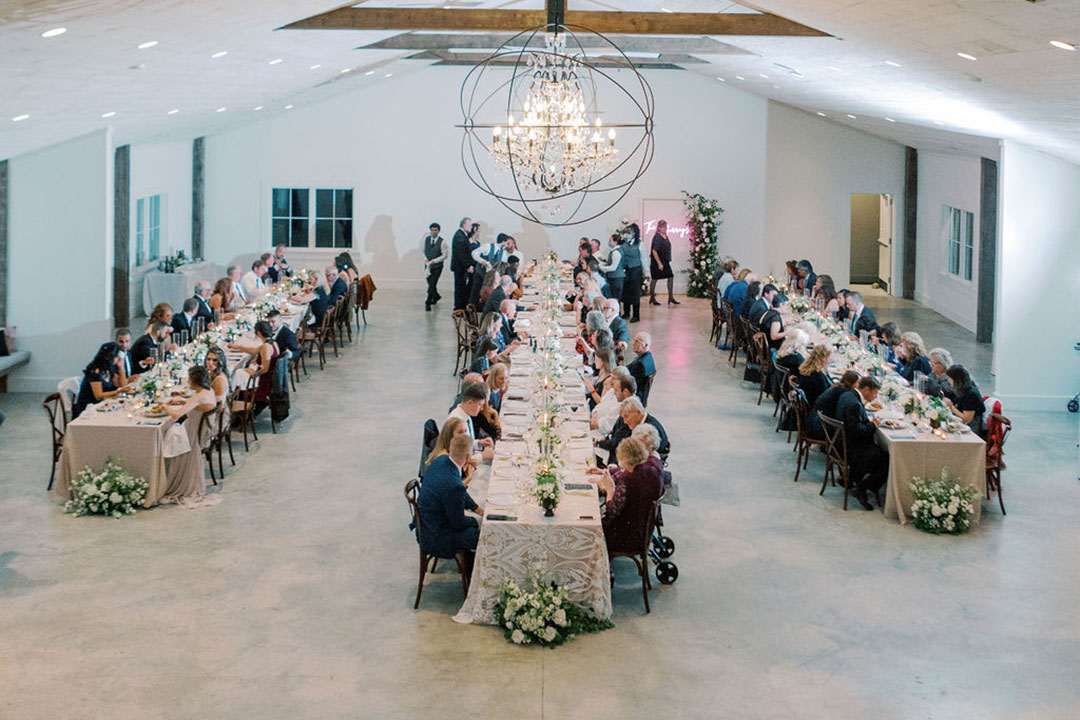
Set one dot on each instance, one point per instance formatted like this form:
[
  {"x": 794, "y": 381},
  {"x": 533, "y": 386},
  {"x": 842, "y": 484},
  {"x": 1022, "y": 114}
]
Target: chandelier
[{"x": 546, "y": 152}]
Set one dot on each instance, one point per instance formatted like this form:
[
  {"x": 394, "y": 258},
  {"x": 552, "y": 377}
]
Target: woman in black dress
[
  {"x": 103, "y": 378},
  {"x": 660, "y": 264},
  {"x": 968, "y": 405}
]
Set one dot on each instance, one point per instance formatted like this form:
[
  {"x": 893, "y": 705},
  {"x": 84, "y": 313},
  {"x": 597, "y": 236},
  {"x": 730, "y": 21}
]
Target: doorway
[{"x": 872, "y": 240}]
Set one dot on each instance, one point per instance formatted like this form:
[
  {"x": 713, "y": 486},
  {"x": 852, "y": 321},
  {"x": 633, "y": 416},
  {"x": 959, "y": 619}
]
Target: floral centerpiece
[
  {"x": 542, "y": 615},
  {"x": 942, "y": 506},
  {"x": 151, "y": 385},
  {"x": 113, "y": 491},
  {"x": 547, "y": 491},
  {"x": 800, "y": 304},
  {"x": 704, "y": 218}
]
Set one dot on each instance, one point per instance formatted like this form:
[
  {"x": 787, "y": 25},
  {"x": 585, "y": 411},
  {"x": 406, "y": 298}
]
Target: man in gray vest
[
  {"x": 434, "y": 257},
  {"x": 631, "y": 250},
  {"x": 614, "y": 267}
]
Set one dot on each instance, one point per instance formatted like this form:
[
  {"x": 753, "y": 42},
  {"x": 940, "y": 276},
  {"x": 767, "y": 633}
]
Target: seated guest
[
  {"x": 827, "y": 401},
  {"x": 163, "y": 313},
  {"x": 218, "y": 371},
  {"x": 594, "y": 322},
  {"x": 491, "y": 326},
  {"x": 869, "y": 463},
  {"x": 807, "y": 278},
  {"x": 725, "y": 277},
  {"x": 631, "y": 489},
  {"x": 772, "y": 322},
  {"x": 912, "y": 356},
  {"x": 498, "y": 382},
  {"x": 123, "y": 341},
  {"x": 793, "y": 273},
  {"x": 473, "y": 397},
  {"x": 598, "y": 277},
  {"x": 827, "y": 293},
  {"x": 937, "y": 382},
  {"x": 642, "y": 366},
  {"x": 268, "y": 265},
  {"x": 253, "y": 284},
  {"x": 260, "y": 365},
  {"x": 606, "y": 412},
  {"x": 487, "y": 285},
  {"x": 240, "y": 295},
  {"x": 484, "y": 356},
  {"x": 508, "y": 310},
  {"x": 842, "y": 311},
  {"x": 282, "y": 336},
  {"x": 203, "y": 293},
  {"x": 452, "y": 427},
  {"x": 600, "y": 340},
  {"x": 338, "y": 281},
  {"x": 605, "y": 363},
  {"x": 102, "y": 378},
  {"x": 968, "y": 405},
  {"x": 346, "y": 268},
  {"x": 620, "y": 334},
  {"x": 279, "y": 268},
  {"x": 499, "y": 293},
  {"x": 224, "y": 299},
  {"x": 144, "y": 349},
  {"x": 753, "y": 291},
  {"x": 736, "y": 291},
  {"x": 761, "y": 305},
  {"x": 184, "y": 322},
  {"x": 888, "y": 340},
  {"x": 631, "y": 414},
  {"x": 790, "y": 355},
  {"x": 442, "y": 502},
  {"x": 185, "y": 473},
  {"x": 813, "y": 378},
  {"x": 860, "y": 317}
]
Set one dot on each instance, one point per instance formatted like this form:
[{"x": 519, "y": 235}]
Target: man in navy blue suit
[
  {"x": 442, "y": 503},
  {"x": 642, "y": 366}
]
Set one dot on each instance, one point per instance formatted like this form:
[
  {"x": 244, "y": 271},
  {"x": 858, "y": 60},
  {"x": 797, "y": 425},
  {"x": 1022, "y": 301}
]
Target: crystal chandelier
[
  {"x": 535, "y": 138},
  {"x": 557, "y": 144}
]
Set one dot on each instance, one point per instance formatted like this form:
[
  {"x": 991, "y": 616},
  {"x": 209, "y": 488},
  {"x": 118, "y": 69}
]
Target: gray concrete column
[
  {"x": 988, "y": 217},
  {"x": 911, "y": 219},
  {"x": 198, "y": 157},
  {"x": 3, "y": 240},
  {"x": 122, "y": 237}
]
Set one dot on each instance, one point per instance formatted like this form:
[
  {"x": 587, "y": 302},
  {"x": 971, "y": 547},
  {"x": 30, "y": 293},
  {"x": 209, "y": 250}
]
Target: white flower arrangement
[
  {"x": 150, "y": 385},
  {"x": 113, "y": 491},
  {"x": 542, "y": 615},
  {"x": 942, "y": 506},
  {"x": 547, "y": 490}
]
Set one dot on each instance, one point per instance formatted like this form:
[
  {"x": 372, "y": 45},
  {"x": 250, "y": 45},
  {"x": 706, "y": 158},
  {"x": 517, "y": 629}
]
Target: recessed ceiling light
[
  {"x": 221, "y": 109},
  {"x": 315, "y": 67},
  {"x": 1063, "y": 45},
  {"x": 666, "y": 10},
  {"x": 890, "y": 119},
  {"x": 111, "y": 113},
  {"x": 938, "y": 122},
  {"x": 275, "y": 61},
  {"x": 852, "y": 116},
  {"x": 220, "y": 53},
  {"x": 893, "y": 63},
  {"x": 370, "y": 72},
  {"x": 258, "y": 108},
  {"x": 739, "y": 77},
  {"x": 763, "y": 75},
  {"x": 173, "y": 111},
  {"x": 288, "y": 107},
  {"x": 822, "y": 114},
  {"x": 147, "y": 44},
  {"x": 966, "y": 56},
  {"x": 389, "y": 75},
  {"x": 345, "y": 70},
  {"x": 721, "y": 79},
  {"x": 20, "y": 118},
  {"x": 835, "y": 69},
  {"x": 54, "y": 32}
]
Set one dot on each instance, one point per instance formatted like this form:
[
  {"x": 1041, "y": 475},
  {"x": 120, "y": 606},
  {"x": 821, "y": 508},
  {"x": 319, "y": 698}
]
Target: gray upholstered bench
[{"x": 9, "y": 363}]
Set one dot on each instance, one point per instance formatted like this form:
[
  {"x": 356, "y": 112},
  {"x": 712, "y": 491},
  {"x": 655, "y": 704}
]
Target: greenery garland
[{"x": 704, "y": 217}]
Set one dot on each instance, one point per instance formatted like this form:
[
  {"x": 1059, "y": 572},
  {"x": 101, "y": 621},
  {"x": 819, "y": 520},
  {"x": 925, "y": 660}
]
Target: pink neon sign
[{"x": 681, "y": 231}]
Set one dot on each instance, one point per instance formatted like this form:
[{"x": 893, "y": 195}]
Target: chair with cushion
[
  {"x": 803, "y": 442},
  {"x": 836, "y": 460},
  {"x": 412, "y": 492},
  {"x": 998, "y": 428},
  {"x": 58, "y": 420},
  {"x": 637, "y": 547}
]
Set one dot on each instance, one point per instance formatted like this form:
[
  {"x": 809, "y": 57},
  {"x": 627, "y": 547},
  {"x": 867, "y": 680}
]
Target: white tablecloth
[
  {"x": 569, "y": 548},
  {"x": 174, "y": 288}
]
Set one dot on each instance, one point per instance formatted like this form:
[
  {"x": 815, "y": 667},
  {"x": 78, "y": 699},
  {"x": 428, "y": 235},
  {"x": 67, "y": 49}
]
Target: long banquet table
[
  {"x": 116, "y": 428},
  {"x": 569, "y": 548}
]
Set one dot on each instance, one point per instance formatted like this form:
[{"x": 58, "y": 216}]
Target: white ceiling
[{"x": 1020, "y": 87}]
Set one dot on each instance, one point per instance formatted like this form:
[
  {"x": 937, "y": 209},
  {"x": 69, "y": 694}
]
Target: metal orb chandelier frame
[{"x": 545, "y": 153}]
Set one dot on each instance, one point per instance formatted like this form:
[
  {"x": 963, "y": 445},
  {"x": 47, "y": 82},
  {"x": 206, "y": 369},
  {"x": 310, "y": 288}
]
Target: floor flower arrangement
[
  {"x": 542, "y": 615},
  {"x": 942, "y": 507},
  {"x": 112, "y": 491}
]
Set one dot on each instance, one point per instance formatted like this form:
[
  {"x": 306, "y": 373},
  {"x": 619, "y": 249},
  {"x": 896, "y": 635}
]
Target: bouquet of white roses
[
  {"x": 150, "y": 385},
  {"x": 547, "y": 491},
  {"x": 113, "y": 491},
  {"x": 542, "y": 615},
  {"x": 942, "y": 506}
]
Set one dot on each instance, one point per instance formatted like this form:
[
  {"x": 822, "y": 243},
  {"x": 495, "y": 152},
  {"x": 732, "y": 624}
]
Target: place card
[{"x": 500, "y": 516}]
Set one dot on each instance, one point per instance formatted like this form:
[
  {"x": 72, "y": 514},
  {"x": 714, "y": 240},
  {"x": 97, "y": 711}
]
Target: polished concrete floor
[{"x": 293, "y": 597}]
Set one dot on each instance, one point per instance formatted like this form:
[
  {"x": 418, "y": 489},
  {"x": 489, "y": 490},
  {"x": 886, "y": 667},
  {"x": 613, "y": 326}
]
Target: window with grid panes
[
  {"x": 333, "y": 218},
  {"x": 961, "y": 240},
  {"x": 290, "y": 213}
]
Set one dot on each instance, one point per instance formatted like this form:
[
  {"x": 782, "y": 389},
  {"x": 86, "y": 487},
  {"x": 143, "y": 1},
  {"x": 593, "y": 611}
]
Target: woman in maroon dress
[{"x": 631, "y": 490}]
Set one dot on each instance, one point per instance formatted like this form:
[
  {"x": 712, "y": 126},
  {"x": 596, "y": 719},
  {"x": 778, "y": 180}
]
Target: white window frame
[
  {"x": 958, "y": 234},
  {"x": 143, "y": 230}
]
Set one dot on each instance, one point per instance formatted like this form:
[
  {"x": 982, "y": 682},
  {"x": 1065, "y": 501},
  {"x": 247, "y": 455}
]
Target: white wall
[
  {"x": 60, "y": 257},
  {"x": 955, "y": 181},
  {"x": 813, "y": 168},
  {"x": 396, "y": 144},
  {"x": 1038, "y": 277}
]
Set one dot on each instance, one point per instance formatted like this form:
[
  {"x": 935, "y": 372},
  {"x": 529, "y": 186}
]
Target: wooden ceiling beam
[{"x": 607, "y": 23}]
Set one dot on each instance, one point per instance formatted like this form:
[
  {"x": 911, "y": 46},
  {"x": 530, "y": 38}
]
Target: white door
[{"x": 885, "y": 241}]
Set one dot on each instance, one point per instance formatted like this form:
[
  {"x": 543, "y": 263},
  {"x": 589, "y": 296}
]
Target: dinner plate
[
  {"x": 503, "y": 500},
  {"x": 150, "y": 414}
]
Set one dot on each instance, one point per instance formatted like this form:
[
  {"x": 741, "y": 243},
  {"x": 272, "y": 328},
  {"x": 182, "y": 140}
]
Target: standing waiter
[
  {"x": 434, "y": 257},
  {"x": 631, "y": 250},
  {"x": 461, "y": 263}
]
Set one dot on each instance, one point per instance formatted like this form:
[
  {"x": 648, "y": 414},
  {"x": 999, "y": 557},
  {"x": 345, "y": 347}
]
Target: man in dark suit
[
  {"x": 869, "y": 463},
  {"x": 461, "y": 263},
  {"x": 620, "y": 333},
  {"x": 442, "y": 502},
  {"x": 807, "y": 276},
  {"x": 203, "y": 292},
  {"x": 142, "y": 352},
  {"x": 123, "y": 339},
  {"x": 338, "y": 286},
  {"x": 184, "y": 321},
  {"x": 283, "y": 337},
  {"x": 762, "y": 305},
  {"x": 860, "y": 317},
  {"x": 508, "y": 310},
  {"x": 631, "y": 414},
  {"x": 642, "y": 366}
]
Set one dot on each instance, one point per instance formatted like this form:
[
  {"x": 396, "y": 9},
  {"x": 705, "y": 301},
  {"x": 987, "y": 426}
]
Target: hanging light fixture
[{"x": 546, "y": 153}]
